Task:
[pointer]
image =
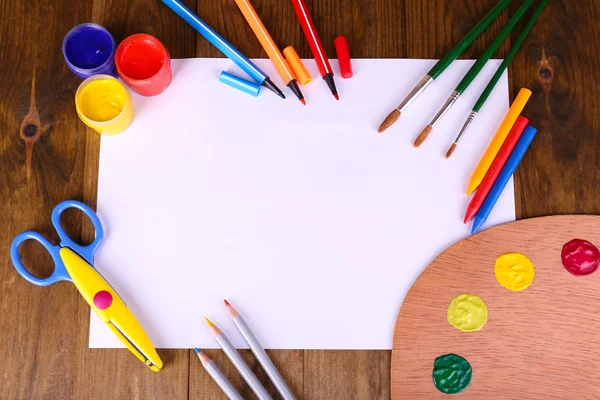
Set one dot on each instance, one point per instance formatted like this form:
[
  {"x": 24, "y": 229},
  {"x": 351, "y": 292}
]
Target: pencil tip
[
  {"x": 450, "y": 150},
  {"x": 389, "y": 120},
  {"x": 423, "y": 136},
  {"x": 303, "y": 101},
  {"x": 197, "y": 350},
  {"x": 209, "y": 322},
  {"x": 226, "y": 303},
  {"x": 337, "y": 96}
]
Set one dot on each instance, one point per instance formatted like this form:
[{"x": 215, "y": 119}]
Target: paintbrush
[
  {"x": 443, "y": 64},
  {"x": 492, "y": 84},
  {"x": 473, "y": 72}
]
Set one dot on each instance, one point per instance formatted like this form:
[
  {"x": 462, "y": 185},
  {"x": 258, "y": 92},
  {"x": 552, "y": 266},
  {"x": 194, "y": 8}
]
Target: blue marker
[
  {"x": 223, "y": 45},
  {"x": 509, "y": 169}
]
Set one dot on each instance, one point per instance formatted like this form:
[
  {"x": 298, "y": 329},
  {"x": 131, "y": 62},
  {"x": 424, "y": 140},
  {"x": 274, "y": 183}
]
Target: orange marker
[{"x": 270, "y": 47}]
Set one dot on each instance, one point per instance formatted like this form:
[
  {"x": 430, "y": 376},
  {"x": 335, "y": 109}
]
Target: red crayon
[
  {"x": 315, "y": 45},
  {"x": 497, "y": 165}
]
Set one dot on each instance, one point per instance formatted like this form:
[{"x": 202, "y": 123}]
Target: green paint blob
[{"x": 451, "y": 373}]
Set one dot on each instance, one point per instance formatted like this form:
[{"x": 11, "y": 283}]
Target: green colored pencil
[
  {"x": 441, "y": 65},
  {"x": 473, "y": 72},
  {"x": 492, "y": 84}
]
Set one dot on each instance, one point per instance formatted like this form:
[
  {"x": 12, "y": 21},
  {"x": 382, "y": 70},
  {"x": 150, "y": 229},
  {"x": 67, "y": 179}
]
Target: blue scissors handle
[
  {"x": 87, "y": 252},
  {"x": 60, "y": 273}
]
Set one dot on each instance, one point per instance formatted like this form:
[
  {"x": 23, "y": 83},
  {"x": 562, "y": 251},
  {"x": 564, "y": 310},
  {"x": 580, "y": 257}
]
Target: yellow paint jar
[{"x": 104, "y": 104}]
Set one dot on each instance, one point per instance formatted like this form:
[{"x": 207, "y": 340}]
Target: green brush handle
[
  {"x": 468, "y": 39},
  {"x": 489, "y": 52},
  {"x": 511, "y": 54}
]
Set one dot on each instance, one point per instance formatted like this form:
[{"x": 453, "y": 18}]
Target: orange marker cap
[{"x": 295, "y": 62}]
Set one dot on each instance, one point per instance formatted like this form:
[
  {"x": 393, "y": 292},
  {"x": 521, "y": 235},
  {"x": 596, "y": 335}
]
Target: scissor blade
[
  {"x": 109, "y": 306},
  {"x": 134, "y": 349}
]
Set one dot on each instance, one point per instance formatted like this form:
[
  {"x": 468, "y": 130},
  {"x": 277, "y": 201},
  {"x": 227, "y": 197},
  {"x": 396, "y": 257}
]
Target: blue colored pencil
[
  {"x": 223, "y": 45},
  {"x": 509, "y": 169}
]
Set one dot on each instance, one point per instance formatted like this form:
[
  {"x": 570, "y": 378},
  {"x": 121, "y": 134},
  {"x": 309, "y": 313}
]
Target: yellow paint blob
[
  {"x": 104, "y": 104},
  {"x": 514, "y": 271},
  {"x": 467, "y": 313}
]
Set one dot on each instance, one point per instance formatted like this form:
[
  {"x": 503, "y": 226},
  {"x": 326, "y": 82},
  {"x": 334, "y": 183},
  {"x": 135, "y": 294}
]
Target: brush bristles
[
  {"x": 389, "y": 120},
  {"x": 423, "y": 135},
  {"x": 450, "y": 150}
]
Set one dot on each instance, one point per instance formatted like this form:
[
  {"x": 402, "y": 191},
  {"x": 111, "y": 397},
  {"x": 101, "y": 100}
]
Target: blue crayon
[
  {"x": 223, "y": 45},
  {"x": 509, "y": 169}
]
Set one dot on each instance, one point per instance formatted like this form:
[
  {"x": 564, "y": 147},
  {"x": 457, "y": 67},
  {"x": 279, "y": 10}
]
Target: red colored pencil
[
  {"x": 315, "y": 45},
  {"x": 496, "y": 167}
]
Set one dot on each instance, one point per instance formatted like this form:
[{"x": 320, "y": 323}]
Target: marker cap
[
  {"x": 295, "y": 62},
  {"x": 343, "y": 53},
  {"x": 241, "y": 84}
]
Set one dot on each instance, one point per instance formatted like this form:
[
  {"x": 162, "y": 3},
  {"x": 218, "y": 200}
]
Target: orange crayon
[{"x": 270, "y": 47}]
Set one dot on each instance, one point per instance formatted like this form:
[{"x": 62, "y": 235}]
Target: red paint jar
[{"x": 144, "y": 64}]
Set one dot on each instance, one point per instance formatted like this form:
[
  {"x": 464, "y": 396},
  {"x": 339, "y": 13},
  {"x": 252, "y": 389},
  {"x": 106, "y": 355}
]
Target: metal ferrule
[
  {"x": 421, "y": 86},
  {"x": 449, "y": 103},
  {"x": 466, "y": 126}
]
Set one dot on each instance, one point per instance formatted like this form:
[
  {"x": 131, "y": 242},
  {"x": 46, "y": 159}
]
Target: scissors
[{"x": 74, "y": 262}]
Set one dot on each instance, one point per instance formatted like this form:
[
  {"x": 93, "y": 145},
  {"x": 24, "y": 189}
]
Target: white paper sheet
[{"x": 312, "y": 224}]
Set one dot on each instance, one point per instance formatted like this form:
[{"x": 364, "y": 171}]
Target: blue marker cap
[{"x": 240, "y": 84}]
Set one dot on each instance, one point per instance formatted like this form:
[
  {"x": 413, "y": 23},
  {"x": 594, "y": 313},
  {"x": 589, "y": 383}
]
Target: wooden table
[{"x": 47, "y": 155}]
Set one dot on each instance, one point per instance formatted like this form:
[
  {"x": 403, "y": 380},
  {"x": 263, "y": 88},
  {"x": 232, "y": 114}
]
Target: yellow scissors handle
[{"x": 107, "y": 304}]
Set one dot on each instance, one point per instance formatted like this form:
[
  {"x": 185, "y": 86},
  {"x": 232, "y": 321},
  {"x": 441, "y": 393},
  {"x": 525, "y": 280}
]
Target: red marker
[
  {"x": 315, "y": 45},
  {"x": 497, "y": 165}
]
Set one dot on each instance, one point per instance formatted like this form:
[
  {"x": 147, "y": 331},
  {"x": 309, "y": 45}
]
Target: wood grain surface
[
  {"x": 539, "y": 343},
  {"x": 47, "y": 155}
]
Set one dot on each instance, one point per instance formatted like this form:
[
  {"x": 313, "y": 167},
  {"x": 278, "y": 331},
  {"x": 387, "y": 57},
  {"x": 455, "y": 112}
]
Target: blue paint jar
[{"x": 89, "y": 49}]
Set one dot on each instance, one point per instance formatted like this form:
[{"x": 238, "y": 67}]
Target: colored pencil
[
  {"x": 223, "y": 45},
  {"x": 490, "y": 154},
  {"x": 270, "y": 47},
  {"x": 310, "y": 32},
  {"x": 509, "y": 168},
  {"x": 260, "y": 353},
  {"x": 216, "y": 374},
  {"x": 496, "y": 78},
  {"x": 238, "y": 362},
  {"x": 443, "y": 64},
  {"x": 473, "y": 72},
  {"x": 497, "y": 165}
]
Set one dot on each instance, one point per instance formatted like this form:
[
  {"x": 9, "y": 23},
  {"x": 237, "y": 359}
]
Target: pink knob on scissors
[{"x": 103, "y": 300}]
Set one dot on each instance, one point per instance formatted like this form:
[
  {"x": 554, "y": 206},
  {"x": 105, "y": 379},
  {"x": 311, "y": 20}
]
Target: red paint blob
[
  {"x": 144, "y": 64},
  {"x": 103, "y": 300},
  {"x": 580, "y": 257}
]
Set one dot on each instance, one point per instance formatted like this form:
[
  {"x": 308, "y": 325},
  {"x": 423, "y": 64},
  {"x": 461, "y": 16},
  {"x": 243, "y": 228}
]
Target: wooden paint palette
[{"x": 540, "y": 343}]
